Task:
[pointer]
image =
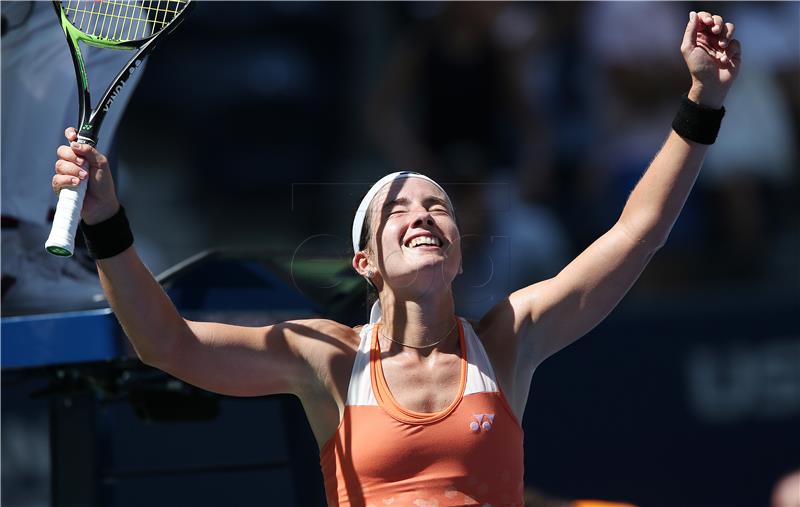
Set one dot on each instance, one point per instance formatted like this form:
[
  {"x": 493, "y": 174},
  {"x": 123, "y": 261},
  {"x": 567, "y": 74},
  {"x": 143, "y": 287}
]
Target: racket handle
[
  {"x": 68, "y": 213},
  {"x": 65, "y": 223}
]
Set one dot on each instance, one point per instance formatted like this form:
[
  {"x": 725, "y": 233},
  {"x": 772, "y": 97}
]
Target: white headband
[{"x": 361, "y": 213}]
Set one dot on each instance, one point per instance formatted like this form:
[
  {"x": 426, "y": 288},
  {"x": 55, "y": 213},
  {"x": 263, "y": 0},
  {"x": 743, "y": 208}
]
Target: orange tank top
[{"x": 382, "y": 454}]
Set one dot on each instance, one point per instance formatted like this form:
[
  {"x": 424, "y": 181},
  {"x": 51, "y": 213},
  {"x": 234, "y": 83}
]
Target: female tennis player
[{"x": 418, "y": 406}]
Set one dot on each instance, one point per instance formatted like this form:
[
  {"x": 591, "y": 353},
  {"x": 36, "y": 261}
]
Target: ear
[{"x": 361, "y": 263}]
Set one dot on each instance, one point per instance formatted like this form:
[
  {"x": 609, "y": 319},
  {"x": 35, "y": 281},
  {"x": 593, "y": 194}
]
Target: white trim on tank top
[{"x": 480, "y": 375}]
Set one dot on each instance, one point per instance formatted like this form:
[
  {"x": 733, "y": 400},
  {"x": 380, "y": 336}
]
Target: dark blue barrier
[{"x": 692, "y": 401}]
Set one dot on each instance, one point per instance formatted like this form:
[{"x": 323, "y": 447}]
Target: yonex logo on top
[{"x": 482, "y": 421}]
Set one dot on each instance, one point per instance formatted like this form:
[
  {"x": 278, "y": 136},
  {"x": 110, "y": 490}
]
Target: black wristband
[
  {"x": 697, "y": 122},
  {"x": 109, "y": 237}
]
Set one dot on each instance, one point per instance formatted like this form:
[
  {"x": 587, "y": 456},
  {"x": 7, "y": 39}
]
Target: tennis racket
[{"x": 134, "y": 25}]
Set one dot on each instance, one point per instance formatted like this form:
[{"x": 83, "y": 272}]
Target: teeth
[{"x": 423, "y": 240}]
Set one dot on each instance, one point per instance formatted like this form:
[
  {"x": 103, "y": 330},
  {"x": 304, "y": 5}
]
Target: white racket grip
[{"x": 65, "y": 224}]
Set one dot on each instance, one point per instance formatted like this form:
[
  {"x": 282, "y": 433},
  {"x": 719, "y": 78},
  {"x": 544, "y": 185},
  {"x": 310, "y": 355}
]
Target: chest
[
  {"x": 471, "y": 456},
  {"x": 428, "y": 386}
]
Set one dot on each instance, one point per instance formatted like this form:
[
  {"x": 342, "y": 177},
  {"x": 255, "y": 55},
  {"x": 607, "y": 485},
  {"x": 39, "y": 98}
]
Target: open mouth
[{"x": 425, "y": 242}]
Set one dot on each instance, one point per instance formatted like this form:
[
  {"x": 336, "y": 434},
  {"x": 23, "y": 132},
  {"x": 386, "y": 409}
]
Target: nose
[{"x": 423, "y": 216}]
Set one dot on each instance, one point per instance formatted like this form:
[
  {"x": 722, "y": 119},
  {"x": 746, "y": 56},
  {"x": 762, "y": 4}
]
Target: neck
[{"x": 420, "y": 323}]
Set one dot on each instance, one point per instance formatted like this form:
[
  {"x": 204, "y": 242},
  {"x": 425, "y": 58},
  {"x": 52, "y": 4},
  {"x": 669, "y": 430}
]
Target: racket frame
[{"x": 91, "y": 119}]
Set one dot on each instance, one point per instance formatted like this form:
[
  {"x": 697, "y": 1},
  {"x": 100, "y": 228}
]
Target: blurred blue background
[{"x": 258, "y": 126}]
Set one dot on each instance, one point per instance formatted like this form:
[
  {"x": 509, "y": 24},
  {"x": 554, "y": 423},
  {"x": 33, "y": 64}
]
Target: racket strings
[{"x": 121, "y": 20}]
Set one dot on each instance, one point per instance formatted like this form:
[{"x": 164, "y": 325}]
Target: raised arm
[
  {"x": 290, "y": 357},
  {"x": 550, "y": 315}
]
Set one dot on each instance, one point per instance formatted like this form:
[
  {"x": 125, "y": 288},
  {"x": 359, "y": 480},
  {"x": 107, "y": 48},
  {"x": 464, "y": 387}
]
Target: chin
[
  {"x": 436, "y": 274},
  {"x": 423, "y": 276}
]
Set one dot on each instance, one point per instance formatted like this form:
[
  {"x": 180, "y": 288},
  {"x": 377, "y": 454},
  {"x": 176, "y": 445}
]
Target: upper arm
[
  {"x": 289, "y": 357},
  {"x": 560, "y": 310}
]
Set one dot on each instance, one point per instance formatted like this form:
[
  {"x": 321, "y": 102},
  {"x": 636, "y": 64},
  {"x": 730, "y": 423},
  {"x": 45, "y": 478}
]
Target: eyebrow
[{"x": 403, "y": 201}]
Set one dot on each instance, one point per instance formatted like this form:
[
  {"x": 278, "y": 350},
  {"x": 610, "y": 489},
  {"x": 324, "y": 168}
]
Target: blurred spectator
[
  {"x": 633, "y": 92},
  {"x": 450, "y": 103},
  {"x": 749, "y": 172},
  {"x": 637, "y": 79},
  {"x": 39, "y": 100},
  {"x": 745, "y": 194}
]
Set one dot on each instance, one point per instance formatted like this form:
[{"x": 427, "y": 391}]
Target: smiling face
[{"x": 414, "y": 243}]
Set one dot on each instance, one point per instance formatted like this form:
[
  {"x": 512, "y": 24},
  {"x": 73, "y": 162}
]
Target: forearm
[
  {"x": 144, "y": 310},
  {"x": 658, "y": 198}
]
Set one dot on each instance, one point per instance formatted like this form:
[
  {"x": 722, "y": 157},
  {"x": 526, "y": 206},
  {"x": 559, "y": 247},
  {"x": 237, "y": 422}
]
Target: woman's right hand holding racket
[{"x": 80, "y": 164}]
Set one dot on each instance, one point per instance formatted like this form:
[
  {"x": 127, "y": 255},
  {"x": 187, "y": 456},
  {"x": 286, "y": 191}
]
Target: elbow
[
  {"x": 653, "y": 241},
  {"x": 656, "y": 237},
  {"x": 648, "y": 237},
  {"x": 658, "y": 243},
  {"x": 161, "y": 352},
  {"x": 150, "y": 360},
  {"x": 153, "y": 358}
]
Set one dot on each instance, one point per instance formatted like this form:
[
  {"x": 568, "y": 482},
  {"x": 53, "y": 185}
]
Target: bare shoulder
[
  {"x": 328, "y": 326},
  {"x": 502, "y": 326},
  {"x": 503, "y": 322},
  {"x": 329, "y": 348},
  {"x": 317, "y": 332}
]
